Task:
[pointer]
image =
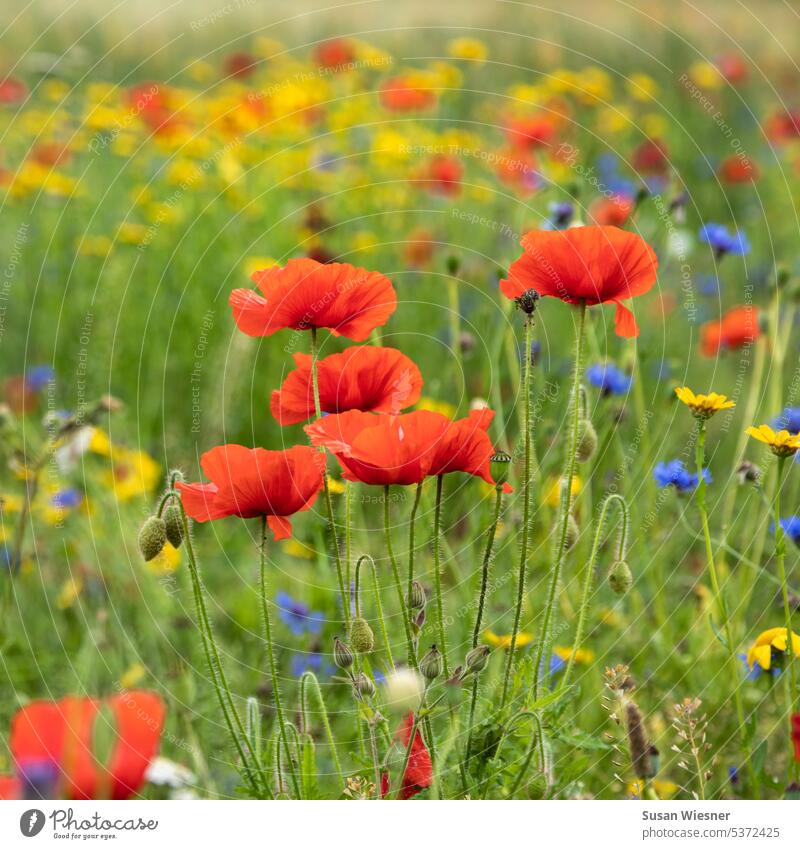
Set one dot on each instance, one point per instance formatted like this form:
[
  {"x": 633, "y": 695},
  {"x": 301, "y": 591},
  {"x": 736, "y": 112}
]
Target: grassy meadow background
[{"x": 117, "y": 262}]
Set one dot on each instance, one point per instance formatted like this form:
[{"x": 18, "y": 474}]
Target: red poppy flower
[
  {"x": 240, "y": 65},
  {"x": 381, "y": 380},
  {"x": 51, "y": 744},
  {"x": 419, "y": 770},
  {"x": 733, "y": 67},
  {"x": 251, "y": 482},
  {"x": 349, "y": 301},
  {"x": 444, "y": 175},
  {"x": 783, "y": 125},
  {"x": 796, "y": 735},
  {"x": 12, "y": 91},
  {"x": 154, "y": 105},
  {"x": 518, "y": 168},
  {"x": 420, "y": 247},
  {"x": 531, "y": 131},
  {"x": 384, "y": 450},
  {"x": 651, "y": 157},
  {"x": 335, "y": 53},
  {"x": 737, "y": 328},
  {"x": 596, "y": 265},
  {"x": 402, "y": 94},
  {"x": 611, "y": 211},
  {"x": 738, "y": 169}
]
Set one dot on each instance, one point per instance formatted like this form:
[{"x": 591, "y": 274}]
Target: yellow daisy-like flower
[
  {"x": 468, "y": 48},
  {"x": 703, "y": 406},
  {"x": 503, "y": 641},
  {"x": 552, "y": 497},
  {"x": 132, "y": 676},
  {"x": 767, "y": 641},
  {"x": 166, "y": 561},
  {"x": 782, "y": 443},
  {"x": 584, "y": 656},
  {"x": 663, "y": 789}
]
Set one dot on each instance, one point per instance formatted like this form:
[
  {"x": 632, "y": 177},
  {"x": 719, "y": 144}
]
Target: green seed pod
[
  {"x": 361, "y": 637},
  {"x": 573, "y": 532},
  {"x": 152, "y": 537},
  {"x": 363, "y": 686},
  {"x": 343, "y": 655},
  {"x": 174, "y": 525},
  {"x": 476, "y": 660},
  {"x": 620, "y": 577},
  {"x": 587, "y": 441},
  {"x": 416, "y": 599},
  {"x": 499, "y": 467},
  {"x": 431, "y": 665}
]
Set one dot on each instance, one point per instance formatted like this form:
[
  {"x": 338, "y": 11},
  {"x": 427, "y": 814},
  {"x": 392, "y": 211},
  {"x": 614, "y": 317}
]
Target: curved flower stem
[
  {"x": 437, "y": 572},
  {"x": 308, "y": 675},
  {"x": 612, "y": 499},
  {"x": 328, "y": 501},
  {"x": 387, "y": 528},
  {"x": 409, "y": 745},
  {"x": 527, "y": 495},
  {"x": 273, "y": 668},
  {"x": 219, "y": 679},
  {"x": 412, "y": 522},
  {"x": 378, "y": 603},
  {"x": 476, "y": 631},
  {"x": 722, "y": 607},
  {"x": 543, "y": 646},
  {"x": 780, "y": 557}
]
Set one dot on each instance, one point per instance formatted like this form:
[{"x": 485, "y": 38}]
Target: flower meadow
[{"x": 399, "y": 413}]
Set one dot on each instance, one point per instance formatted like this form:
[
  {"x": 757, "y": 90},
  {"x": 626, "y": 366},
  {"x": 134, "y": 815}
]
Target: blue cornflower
[
  {"x": 754, "y": 672},
  {"x": 66, "y": 498},
  {"x": 676, "y": 474},
  {"x": 723, "y": 241},
  {"x": 789, "y": 420},
  {"x": 609, "y": 379},
  {"x": 311, "y": 661},
  {"x": 298, "y": 616},
  {"x": 38, "y": 377},
  {"x": 791, "y": 527},
  {"x": 561, "y": 214}
]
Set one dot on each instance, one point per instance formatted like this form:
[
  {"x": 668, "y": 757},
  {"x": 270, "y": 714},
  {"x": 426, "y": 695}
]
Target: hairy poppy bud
[
  {"x": 152, "y": 537},
  {"x": 416, "y": 599},
  {"x": 361, "y": 637},
  {"x": 342, "y": 654},
  {"x": 363, "y": 686},
  {"x": 431, "y": 665},
  {"x": 499, "y": 467},
  {"x": 174, "y": 525},
  {"x": 620, "y": 578},
  {"x": 527, "y": 301},
  {"x": 453, "y": 264},
  {"x": 573, "y": 532},
  {"x": 476, "y": 660},
  {"x": 587, "y": 441}
]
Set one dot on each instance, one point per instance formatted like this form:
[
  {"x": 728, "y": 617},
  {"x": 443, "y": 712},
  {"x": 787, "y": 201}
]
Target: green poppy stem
[
  {"x": 387, "y": 528},
  {"x": 437, "y": 572}
]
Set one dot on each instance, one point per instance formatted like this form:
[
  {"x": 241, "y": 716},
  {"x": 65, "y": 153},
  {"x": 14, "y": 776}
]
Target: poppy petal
[
  {"x": 280, "y": 526},
  {"x": 624, "y": 322}
]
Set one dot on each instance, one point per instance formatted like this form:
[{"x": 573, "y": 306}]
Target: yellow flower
[
  {"x": 642, "y": 87},
  {"x": 703, "y": 406},
  {"x": 295, "y": 548},
  {"x": 468, "y": 48},
  {"x": 97, "y": 246},
  {"x": 706, "y": 75},
  {"x": 69, "y": 593},
  {"x": 663, "y": 789},
  {"x": 552, "y": 496},
  {"x": 132, "y": 676},
  {"x": 585, "y": 656},
  {"x": 258, "y": 263},
  {"x": 782, "y": 443},
  {"x": 762, "y": 649},
  {"x": 131, "y": 234},
  {"x": 100, "y": 443},
  {"x": 167, "y": 560},
  {"x": 336, "y": 487},
  {"x": 443, "y": 407},
  {"x": 133, "y": 473},
  {"x": 504, "y": 641}
]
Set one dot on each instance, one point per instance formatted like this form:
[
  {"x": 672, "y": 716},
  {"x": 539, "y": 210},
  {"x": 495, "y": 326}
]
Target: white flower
[
  {"x": 167, "y": 772},
  {"x": 404, "y": 690}
]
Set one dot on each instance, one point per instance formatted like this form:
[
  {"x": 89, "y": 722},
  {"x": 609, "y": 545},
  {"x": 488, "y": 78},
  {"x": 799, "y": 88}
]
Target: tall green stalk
[
  {"x": 527, "y": 495},
  {"x": 387, "y": 528},
  {"x": 722, "y": 607},
  {"x": 437, "y": 572},
  {"x": 328, "y": 501},
  {"x": 543, "y": 645},
  {"x": 273, "y": 667}
]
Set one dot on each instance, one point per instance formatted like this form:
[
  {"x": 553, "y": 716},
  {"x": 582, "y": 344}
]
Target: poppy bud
[
  {"x": 152, "y": 537},
  {"x": 453, "y": 264},
  {"x": 476, "y": 660},
  {"x": 587, "y": 441},
  {"x": 431, "y": 665},
  {"x": 363, "y": 686},
  {"x": 573, "y": 532},
  {"x": 342, "y": 654},
  {"x": 500, "y": 465},
  {"x": 783, "y": 275},
  {"x": 466, "y": 341},
  {"x": 416, "y": 599},
  {"x": 174, "y": 525},
  {"x": 361, "y": 637},
  {"x": 620, "y": 578},
  {"x": 748, "y": 472},
  {"x": 527, "y": 301}
]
